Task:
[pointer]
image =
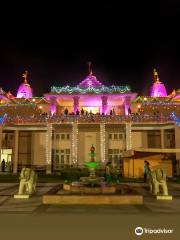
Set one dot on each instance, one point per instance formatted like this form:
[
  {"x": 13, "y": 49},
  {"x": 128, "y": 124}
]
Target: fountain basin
[
  {"x": 92, "y": 199},
  {"x": 100, "y": 195}
]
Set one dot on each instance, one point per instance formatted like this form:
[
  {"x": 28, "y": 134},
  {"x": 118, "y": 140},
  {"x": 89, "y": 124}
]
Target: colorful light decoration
[
  {"x": 176, "y": 118},
  {"x": 90, "y": 81},
  {"x": 103, "y": 142},
  {"x": 90, "y": 89},
  {"x": 48, "y": 144},
  {"x": 74, "y": 143},
  {"x": 3, "y": 119},
  {"x": 128, "y": 136}
]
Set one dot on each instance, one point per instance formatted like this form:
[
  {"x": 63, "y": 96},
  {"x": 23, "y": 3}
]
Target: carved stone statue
[
  {"x": 28, "y": 179},
  {"x": 158, "y": 182}
]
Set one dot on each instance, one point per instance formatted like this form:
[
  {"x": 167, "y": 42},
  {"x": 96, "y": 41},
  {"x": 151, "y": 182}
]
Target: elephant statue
[
  {"x": 157, "y": 180},
  {"x": 28, "y": 179}
]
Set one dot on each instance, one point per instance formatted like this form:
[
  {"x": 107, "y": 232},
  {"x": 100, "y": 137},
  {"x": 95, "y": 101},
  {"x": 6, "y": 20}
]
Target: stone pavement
[{"x": 34, "y": 206}]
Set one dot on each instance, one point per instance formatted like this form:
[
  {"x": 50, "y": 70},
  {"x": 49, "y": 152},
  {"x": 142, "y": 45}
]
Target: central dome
[{"x": 90, "y": 81}]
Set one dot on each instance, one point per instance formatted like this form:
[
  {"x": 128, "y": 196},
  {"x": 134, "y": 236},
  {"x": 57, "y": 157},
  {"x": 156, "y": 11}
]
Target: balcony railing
[{"x": 44, "y": 119}]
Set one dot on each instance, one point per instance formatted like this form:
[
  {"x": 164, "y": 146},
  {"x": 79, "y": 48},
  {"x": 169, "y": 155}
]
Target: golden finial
[
  {"x": 156, "y": 77},
  {"x": 25, "y": 75},
  {"x": 89, "y": 68}
]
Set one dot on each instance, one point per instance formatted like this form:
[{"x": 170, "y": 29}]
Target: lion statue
[
  {"x": 28, "y": 179},
  {"x": 158, "y": 182}
]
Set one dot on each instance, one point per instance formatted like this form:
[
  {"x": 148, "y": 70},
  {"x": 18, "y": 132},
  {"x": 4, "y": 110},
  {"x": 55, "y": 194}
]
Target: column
[
  {"x": 49, "y": 149},
  {"x": 16, "y": 150},
  {"x": 53, "y": 105},
  {"x": 103, "y": 142},
  {"x": 128, "y": 137},
  {"x": 127, "y": 104},
  {"x": 1, "y": 132},
  {"x": 162, "y": 138},
  {"x": 104, "y": 104},
  {"x": 76, "y": 103},
  {"x": 74, "y": 144},
  {"x": 177, "y": 144}
]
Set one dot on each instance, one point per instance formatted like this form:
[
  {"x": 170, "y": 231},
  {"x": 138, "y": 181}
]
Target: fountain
[
  {"x": 93, "y": 189},
  {"x": 92, "y": 179}
]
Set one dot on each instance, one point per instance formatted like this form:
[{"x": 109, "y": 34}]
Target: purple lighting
[
  {"x": 90, "y": 81},
  {"x": 158, "y": 90},
  {"x": 24, "y": 91}
]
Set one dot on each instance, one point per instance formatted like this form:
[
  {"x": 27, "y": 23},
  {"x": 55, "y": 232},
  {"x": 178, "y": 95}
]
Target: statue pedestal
[
  {"x": 22, "y": 196},
  {"x": 168, "y": 197}
]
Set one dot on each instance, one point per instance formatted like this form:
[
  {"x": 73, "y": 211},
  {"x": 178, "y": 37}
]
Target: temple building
[
  {"x": 57, "y": 130},
  {"x": 90, "y": 96}
]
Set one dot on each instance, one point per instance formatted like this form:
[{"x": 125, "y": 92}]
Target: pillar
[
  {"x": 1, "y": 133},
  {"x": 128, "y": 137},
  {"x": 103, "y": 142},
  {"x": 177, "y": 144},
  {"x": 74, "y": 144},
  {"x": 104, "y": 104},
  {"x": 49, "y": 149},
  {"x": 162, "y": 138},
  {"x": 127, "y": 104},
  {"x": 53, "y": 105},
  {"x": 76, "y": 103},
  {"x": 16, "y": 150}
]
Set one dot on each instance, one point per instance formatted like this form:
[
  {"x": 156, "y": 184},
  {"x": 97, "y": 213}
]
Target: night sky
[{"x": 123, "y": 41}]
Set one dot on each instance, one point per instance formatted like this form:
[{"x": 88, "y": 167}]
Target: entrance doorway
[
  {"x": 6, "y": 155},
  {"x": 93, "y": 110}
]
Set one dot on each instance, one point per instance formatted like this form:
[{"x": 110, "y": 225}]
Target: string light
[
  {"x": 91, "y": 89},
  {"x": 103, "y": 142},
  {"x": 48, "y": 143},
  {"x": 74, "y": 143},
  {"x": 128, "y": 136}
]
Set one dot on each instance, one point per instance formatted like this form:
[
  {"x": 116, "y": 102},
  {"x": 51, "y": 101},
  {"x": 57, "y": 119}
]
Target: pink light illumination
[
  {"x": 90, "y": 81},
  {"x": 158, "y": 88},
  {"x": 24, "y": 91}
]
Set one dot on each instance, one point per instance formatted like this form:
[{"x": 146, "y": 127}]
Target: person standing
[
  {"x": 3, "y": 165},
  {"x": 146, "y": 170}
]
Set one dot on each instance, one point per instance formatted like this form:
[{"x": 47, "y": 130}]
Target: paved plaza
[
  {"x": 30, "y": 219},
  {"x": 34, "y": 205}
]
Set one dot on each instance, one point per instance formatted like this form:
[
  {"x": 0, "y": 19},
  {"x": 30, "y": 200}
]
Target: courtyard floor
[{"x": 87, "y": 220}]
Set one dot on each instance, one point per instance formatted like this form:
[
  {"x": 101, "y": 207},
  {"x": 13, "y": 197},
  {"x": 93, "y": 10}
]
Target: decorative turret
[
  {"x": 24, "y": 90},
  {"x": 90, "y": 80},
  {"x": 158, "y": 88}
]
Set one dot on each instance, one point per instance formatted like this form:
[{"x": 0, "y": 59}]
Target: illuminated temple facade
[{"x": 57, "y": 130}]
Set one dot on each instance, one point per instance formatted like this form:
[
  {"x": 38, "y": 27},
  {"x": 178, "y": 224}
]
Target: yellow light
[
  {"x": 40, "y": 107},
  {"x": 145, "y": 99}
]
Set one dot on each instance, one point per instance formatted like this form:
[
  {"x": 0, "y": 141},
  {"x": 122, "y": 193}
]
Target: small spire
[
  {"x": 156, "y": 76},
  {"x": 25, "y": 76},
  {"x": 89, "y": 68}
]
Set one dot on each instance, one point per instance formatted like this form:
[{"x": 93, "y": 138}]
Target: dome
[
  {"x": 158, "y": 88},
  {"x": 24, "y": 90},
  {"x": 90, "y": 81}
]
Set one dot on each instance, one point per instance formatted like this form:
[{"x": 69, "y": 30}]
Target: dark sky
[{"x": 124, "y": 42}]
